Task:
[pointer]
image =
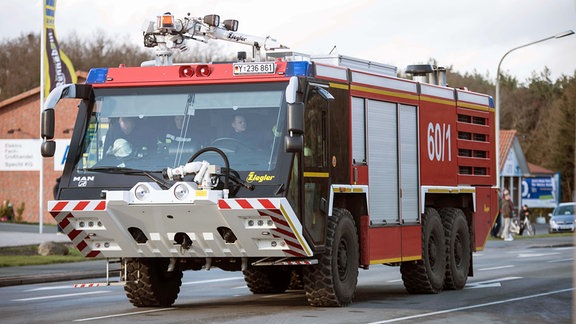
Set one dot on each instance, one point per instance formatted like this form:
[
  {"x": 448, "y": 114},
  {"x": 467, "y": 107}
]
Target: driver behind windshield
[{"x": 128, "y": 137}]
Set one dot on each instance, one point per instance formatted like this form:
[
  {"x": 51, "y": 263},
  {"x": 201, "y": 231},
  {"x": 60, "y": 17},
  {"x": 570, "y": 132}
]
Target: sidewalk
[
  {"x": 96, "y": 269},
  {"x": 10, "y": 276},
  {"x": 20, "y": 238}
]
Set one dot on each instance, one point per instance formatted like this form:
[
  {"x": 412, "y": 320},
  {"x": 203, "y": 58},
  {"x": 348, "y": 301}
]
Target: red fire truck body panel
[
  {"x": 455, "y": 159},
  {"x": 437, "y": 131},
  {"x": 177, "y": 74}
]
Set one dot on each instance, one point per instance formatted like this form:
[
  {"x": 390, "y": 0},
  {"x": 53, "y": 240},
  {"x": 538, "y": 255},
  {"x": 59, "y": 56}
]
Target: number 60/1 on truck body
[{"x": 344, "y": 165}]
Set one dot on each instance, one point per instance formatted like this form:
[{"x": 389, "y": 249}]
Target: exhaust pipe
[{"x": 427, "y": 73}]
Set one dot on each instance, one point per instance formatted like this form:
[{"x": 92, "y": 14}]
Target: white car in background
[{"x": 562, "y": 218}]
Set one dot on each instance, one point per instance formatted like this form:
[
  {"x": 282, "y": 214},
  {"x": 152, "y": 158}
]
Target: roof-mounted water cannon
[{"x": 167, "y": 34}]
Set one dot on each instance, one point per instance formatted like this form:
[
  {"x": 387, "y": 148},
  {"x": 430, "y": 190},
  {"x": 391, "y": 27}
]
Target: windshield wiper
[{"x": 131, "y": 171}]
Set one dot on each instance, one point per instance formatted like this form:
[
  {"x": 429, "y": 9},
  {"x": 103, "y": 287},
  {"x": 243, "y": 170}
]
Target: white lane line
[
  {"x": 240, "y": 287},
  {"x": 50, "y": 288},
  {"x": 122, "y": 314},
  {"x": 489, "y": 283},
  {"x": 497, "y": 268},
  {"x": 564, "y": 248},
  {"x": 533, "y": 255},
  {"x": 211, "y": 281},
  {"x": 61, "y": 296},
  {"x": 561, "y": 260},
  {"x": 452, "y": 310}
]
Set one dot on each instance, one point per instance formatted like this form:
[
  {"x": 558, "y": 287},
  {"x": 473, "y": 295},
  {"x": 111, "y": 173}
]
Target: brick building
[{"x": 20, "y": 158}]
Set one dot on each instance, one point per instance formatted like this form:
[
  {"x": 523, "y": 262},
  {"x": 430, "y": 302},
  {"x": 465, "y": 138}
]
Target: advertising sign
[
  {"x": 20, "y": 155},
  {"x": 540, "y": 192}
]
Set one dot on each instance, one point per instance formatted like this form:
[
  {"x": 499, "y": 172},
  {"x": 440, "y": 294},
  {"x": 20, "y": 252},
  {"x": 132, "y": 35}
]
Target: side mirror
[
  {"x": 47, "y": 124},
  {"x": 295, "y": 118},
  {"x": 294, "y": 144},
  {"x": 48, "y": 148},
  {"x": 294, "y": 141}
]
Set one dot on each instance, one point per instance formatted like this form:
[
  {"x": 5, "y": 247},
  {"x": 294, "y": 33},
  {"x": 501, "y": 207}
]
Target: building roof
[
  {"x": 35, "y": 91},
  {"x": 506, "y": 141},
  {"x": 19, "y": 97},
  {"x": 538, "y": 170}
]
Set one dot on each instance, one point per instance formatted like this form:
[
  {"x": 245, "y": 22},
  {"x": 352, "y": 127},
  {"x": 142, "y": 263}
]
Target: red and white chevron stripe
[
  {"x": 270, "y": 208},
  {"x": 76, "y": 205},
  {"x": 61, "y": 211}
]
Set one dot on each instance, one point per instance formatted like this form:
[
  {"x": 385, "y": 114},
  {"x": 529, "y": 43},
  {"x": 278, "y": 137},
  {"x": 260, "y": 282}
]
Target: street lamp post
[{"x": 497, "y": 112}]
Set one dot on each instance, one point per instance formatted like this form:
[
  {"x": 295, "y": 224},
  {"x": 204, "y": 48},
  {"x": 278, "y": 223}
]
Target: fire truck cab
[{"x": 292, "y": 166}]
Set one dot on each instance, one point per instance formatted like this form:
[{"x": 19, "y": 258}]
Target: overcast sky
[{"x": 470, "y": 36}]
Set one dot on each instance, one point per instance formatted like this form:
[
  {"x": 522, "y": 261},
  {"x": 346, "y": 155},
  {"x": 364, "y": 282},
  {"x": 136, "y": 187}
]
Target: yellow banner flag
[{"x": 58, "y": 68}]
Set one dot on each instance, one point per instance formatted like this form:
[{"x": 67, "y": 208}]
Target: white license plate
[{"x": 254, "y": 68}]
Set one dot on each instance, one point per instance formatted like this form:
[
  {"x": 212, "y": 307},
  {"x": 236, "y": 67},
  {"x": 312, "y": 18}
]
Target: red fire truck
[{"x": 281, "y": 166}]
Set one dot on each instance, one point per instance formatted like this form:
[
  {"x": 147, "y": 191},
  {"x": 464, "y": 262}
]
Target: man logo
[{"x": 83, "y": 181}]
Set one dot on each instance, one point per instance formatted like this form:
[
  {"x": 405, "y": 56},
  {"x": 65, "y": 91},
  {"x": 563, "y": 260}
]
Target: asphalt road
[{"x": 514, "y": 282}]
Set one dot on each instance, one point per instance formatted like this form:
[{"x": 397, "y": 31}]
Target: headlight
[
  {"x": 553, "y": 223},
  {"x": 181, "y": 191},
  {"x": 141, "y": 191}
]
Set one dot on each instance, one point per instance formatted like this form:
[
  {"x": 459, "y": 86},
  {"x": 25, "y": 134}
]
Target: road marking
[
  {"x": 240, "y": 287},
  {"x": 60, "y": 296},
  {"x": 50, "y": 288},
  {"x": 122, "y": 314},
  {"x": 561, "y": 260},
  {"x": 564, "y": 248},
  {"x": 211, "y": 280},
  {"x": 497, "y": 268},
  {"x": 395, "y": 280},
  {"x": 533, "y": 255},
  {"x": 452, "y": 310},
  {"x": 489, "y": 283}
]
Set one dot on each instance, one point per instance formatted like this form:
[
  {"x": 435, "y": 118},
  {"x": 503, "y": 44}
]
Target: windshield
[
  {"x": 154, "y": 128},
  {"x": 567, "y": 209}
]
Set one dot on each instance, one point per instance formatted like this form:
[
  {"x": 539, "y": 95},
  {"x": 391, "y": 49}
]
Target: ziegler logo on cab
[{"x": 253, "y": 177}]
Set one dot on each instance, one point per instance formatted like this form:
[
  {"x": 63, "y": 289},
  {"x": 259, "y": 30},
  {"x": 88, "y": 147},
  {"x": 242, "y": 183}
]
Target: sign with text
[
  {"x": 20, "y": 155},
  {"x": 540, "y": 192}
]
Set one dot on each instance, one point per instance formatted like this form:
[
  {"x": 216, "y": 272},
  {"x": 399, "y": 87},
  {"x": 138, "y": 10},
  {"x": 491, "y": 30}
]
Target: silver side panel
[
  {"x": 358, "y": 130},
  {"x": 409, "y": 163},
  {"x": 382, "y": 125}
]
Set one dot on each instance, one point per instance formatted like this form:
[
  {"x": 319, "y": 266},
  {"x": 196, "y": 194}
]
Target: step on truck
[{"x": 297, "y": 170}]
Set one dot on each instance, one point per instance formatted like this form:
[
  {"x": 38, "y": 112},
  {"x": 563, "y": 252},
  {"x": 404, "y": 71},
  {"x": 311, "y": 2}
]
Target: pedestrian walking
[{"x": 507, "y": 213}]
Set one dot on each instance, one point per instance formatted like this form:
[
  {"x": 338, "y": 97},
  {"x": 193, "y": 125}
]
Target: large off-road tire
[
  {"x": 332, "y": 282},
  {"x": 149, "y": 284},
  {"x": 426, "y": 276},
  {"x": 458, "y": 249},
  {"x": 267, "y": 279}
]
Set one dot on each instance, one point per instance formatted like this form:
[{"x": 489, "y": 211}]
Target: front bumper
[{"x": 202, "y": 225}]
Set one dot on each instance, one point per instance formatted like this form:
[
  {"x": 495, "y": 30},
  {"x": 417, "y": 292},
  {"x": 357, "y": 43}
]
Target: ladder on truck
[{"x": 115, "y": 268}]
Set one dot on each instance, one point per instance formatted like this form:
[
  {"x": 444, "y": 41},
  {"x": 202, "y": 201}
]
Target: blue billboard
[{"x": 541, "y": 192}]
